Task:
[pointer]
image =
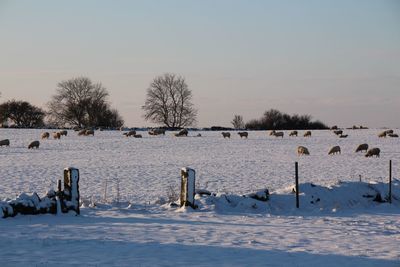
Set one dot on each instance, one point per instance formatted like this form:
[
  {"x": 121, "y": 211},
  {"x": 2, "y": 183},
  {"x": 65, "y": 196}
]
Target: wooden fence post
[
  {"x": 71, "y": 187},
  {"x": 297, "y": 184},
  {"x": 188, "y": 182},
  {"x": 390, "y": 181}
]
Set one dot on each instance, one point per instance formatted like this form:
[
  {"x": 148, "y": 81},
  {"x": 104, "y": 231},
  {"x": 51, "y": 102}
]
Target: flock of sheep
[
  {"x": 301, "y": 150},
  {"x": 46, "y": 135}
]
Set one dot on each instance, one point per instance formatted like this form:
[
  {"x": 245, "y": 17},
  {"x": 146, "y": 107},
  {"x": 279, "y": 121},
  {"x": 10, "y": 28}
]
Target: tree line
[
  {"x": 275, "y": 120},
  {"x": 78, "y": 102},
  {"x": 81, "y": 103}
]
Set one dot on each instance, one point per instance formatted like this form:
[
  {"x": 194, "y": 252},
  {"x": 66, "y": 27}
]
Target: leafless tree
[
  {"x": 79, "y": 102},
  {"x": 168, "y": 102},
  {"x": 238, "y": 122}
]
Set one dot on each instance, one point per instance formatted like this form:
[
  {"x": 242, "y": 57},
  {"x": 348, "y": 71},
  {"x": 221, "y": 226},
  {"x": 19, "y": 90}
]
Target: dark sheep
[
  {"x": 5, "y": 142},
  {"x": 362, "y": 147},
  {"x": 334, "y": 150},
  {"x": 34, "y": 144},
  {"x": 226, "y": 135},
  {"x": 373, "y": 152},
  {"x": 243, "y": 134}
]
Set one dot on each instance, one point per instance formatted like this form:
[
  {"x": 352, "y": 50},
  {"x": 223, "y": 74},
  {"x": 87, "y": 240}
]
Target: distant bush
[
  {"x": 275, "y": 120},
  {"x": 21, "y": 114}
]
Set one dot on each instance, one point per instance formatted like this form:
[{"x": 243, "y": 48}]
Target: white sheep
[
  {"x": 45, "y": 135},
  {"x": 382, "y": 134},
  {"x": 56, "y": 135},
  {"x": 301, "y": 150},
  {"x": 89, "y": 132}
]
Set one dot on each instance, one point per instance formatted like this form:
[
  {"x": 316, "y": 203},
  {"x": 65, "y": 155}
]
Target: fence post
[
  {"x": 71, "y": 188},
  {"x": 60, "y": 207},
  {"x": 297, "y": 184},
  {"x": 188, "y": 181},
  {"x": 390, "y": 181}
]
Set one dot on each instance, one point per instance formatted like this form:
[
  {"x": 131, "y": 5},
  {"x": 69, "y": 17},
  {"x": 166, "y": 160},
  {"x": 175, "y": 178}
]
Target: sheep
[
  {"x": 183, "y": 132},
  {"x": 307, "y": 134},
  {"x": 89, "y": 132},
  {"x": 343, "y": 136},
  {"x": 156, "y": 131},
  {"x": 393, "y": 135},
  {"x": 334, "y": 150},
  {"x": 45, "y": 135},
  {"x": 243, "y": 134},
  {"x": 373, "y": 152},
  {"x": 338, "y": 132},
  {"x": 56, "y": 135},
  {"x": 293, "y": 133},
  {"x": 34, "y": 144},
  {"x": 301, "y": 150},
  {"x": 82, "y": 132},
  {"x": 137, "y": 135},
  {"x": 5, "y": 142},
  {"x": 226, "y": 135},
  {"x": 382, "y": 134},
  {"x": 63, "y": 132},
  {"x": 130, "y": 133},
  {"x": 362, "y": 147},
  {"x": 278, "y": 134}
]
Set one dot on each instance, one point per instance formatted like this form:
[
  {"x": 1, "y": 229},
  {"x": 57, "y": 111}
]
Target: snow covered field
[{"x": 341, "y": 228}]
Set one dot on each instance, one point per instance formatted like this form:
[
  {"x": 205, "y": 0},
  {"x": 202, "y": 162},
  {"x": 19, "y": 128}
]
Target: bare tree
[
  {"x": 238, "y": 122},
  {"x": 79, "y": 102},
  {"x": 168, "y": 102}
]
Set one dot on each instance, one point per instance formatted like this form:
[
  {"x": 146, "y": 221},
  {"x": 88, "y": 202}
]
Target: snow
[{"x": 338, "y": 222}]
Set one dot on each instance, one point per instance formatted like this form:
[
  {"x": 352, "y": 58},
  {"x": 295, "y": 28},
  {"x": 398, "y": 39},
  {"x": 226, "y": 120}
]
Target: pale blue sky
[{"x": 336, "y": 60}]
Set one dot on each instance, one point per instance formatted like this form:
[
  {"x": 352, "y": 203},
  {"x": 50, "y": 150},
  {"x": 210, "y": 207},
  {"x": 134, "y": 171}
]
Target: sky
[{"x": 338, "y": 61}]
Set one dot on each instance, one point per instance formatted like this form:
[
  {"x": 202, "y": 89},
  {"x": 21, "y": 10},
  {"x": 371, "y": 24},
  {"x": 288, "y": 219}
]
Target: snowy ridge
[{"x": 347, "y": 197}]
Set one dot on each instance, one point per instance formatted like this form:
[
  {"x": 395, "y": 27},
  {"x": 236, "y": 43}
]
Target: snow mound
[{"x": 342, "y": 196}]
